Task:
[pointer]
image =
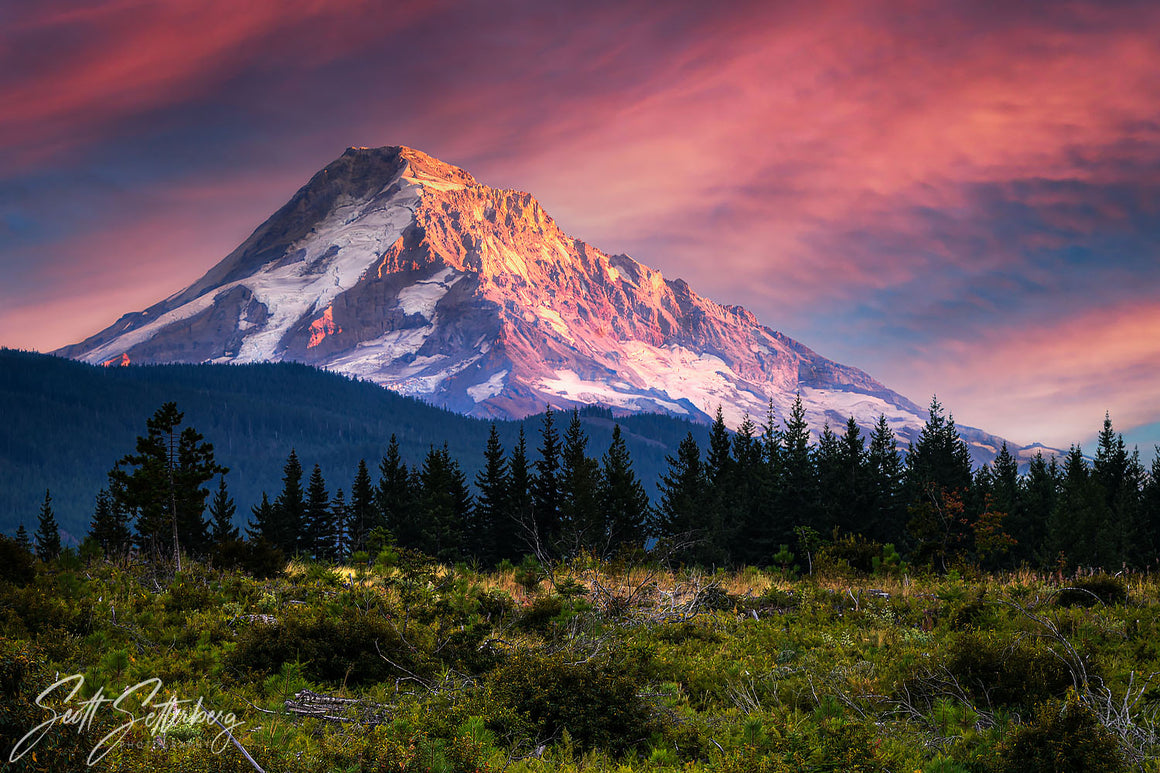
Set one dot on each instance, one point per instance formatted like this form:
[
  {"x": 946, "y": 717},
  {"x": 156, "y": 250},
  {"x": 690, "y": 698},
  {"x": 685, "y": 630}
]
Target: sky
[{"x": 961, "y": 198}]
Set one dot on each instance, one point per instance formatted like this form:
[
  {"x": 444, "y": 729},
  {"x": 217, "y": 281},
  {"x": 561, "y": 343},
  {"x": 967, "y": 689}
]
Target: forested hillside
[{"x": 66, "y": 423}]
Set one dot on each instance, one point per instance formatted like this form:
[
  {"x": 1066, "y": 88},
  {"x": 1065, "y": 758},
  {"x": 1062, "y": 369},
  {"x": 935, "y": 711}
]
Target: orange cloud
[{"x": 1050, "y": 383}]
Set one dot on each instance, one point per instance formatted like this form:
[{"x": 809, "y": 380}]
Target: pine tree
[
  {"x": 221, "y": 515},
  {"x": 624, "y": 501},
  {"x": 748, "y": 500},
  {"x": 1079, "y": 523},
  {"x": 491, "y": 508},
  {"x": 938, "y": 479},
  {"x": 799, "y": 505},
  {"x": 109, "y": 527},
  {"x": 263, "y": 522},
  {"x": 520, "y": 521},
  {"x": 47, "y": 532},
  {"x": 546, "y": 487},
  {"x": 22, "y": 539},
  {"x": 362, "y": 507},
  {"x": 1038, "y": 495},
  {"x": 580, "y": 515},
  {"x": 446, "y": 506},
  {"x": 679, "y": 514},
  {"x": 317, "y": 537},
  {"x": 829, "y": 470},
  {"x": 886, "y": 500},
  {"x": 162, "y": 485},
  {"x": 395, "y": 498},
  {"x": 719, "y": 495},
  {"x": 289, "y": 508},
  {"x": 1120, "y": 477}
]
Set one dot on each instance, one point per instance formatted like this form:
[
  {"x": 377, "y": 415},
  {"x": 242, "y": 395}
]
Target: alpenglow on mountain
[{"x": 392, "y": 266}]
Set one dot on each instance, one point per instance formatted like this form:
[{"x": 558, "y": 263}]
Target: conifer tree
[
  {"x": 395, "y": 498},
  {"x": 829, "y": 471},
  {"x": 446, "y": 506},
  {"x": 520, "y": 521},
  {"x": 546, "y": 487},
  {"x": 799, "y": 492},
  {"x": 1078, "y": 527},
  {"x": 491, "y": 508},
  {"x": 289, "y": 508},
  {"x": 109, "y": 526},
  {"x": 624, "y": 500},
  {"x": 47, "y": 532},
  {"x": 1120, "y": 477},
  {"x": 22, "y": 539},
  {"x": 748, "y": 489},
  {"x": 263, "y": 522},
  {"x": 162, "y": 485},
  {"x": 362, "y": 507},
  {"x": 719, "y": 496},
  {"x": 938, "y": 479},
  {"x": 1038, "y": 496},
  {"x": 886, "y": 505},
  {"x": 680, "y": 512},
  {"x": 221, "y": 515},
  {"x": 317, "y": 537},
  {"x": 580, "y": 515}
]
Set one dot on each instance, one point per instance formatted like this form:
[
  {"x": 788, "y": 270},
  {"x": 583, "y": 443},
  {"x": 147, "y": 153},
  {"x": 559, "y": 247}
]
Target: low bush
[
  {"x": 539, "y": 696},
  {"x": 1063, "y": 737},
  {"x": 1089, "y": 591}
]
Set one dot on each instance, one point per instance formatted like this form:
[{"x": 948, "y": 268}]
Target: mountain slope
[{"x": 392, "y": 266}]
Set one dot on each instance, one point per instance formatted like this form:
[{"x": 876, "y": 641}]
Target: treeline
[{"x": 762, "y": 495}]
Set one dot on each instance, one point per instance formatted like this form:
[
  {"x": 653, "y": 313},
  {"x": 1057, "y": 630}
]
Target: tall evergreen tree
[
  {"x": 395, "y": 498},
  {"x": 1079, "y": 523},
  {"x": 546, "y": 487},
  {"x": 263, "y": 523},
  {"x": 799, "y": 492},
  {"x": 362, "y": 507},
  {"x": 938, "y": 480},
  {"x": 625, "y": 502},
  {"x": 317, "y": 536},
  {"x": 1120, "y": 477},
  {"x": 520, "y": 519},
  {"x": 580, "y": 514},
  {"x": 680, "y": 512},
  {"x": 289, "y": 508},
  {"x": 491, "y": 508},
  {"x": 1038, "y": 494},
  {"x": 749, "y": 496},
  {"x": 847, "y": 479},
  {"x": 887, "y": 504},
  {"x": 162, "y": 485},
  {"x": 23, "y": 540},
  {"x": 719, "y": 496},
  {"x": 221, "y": 515},
  {"x": 446, "y": 506},
  {"x": 109, "y": 527},
  {"x": 47, "y": 532}
]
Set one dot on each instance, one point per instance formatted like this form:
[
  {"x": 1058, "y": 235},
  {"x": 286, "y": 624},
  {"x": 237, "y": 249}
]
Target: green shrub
[
  {"x": 1003, "y": 673},
  {"x": 1089, "y": 591},
  {"x": 539, "y": 696},
  {"x": 332, "y": 647},
  {"x": 1064, "y": 736}
]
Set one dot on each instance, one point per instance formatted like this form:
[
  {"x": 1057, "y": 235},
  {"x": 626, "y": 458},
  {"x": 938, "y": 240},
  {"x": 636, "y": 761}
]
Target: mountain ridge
[{"x": 395, "y": 267}]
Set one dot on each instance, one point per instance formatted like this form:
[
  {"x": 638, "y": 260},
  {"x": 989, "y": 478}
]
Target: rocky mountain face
[{"x": 394, "y": 267}]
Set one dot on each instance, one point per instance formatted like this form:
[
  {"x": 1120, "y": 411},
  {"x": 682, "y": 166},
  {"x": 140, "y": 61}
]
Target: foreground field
[{"x": 407, "y": 665}]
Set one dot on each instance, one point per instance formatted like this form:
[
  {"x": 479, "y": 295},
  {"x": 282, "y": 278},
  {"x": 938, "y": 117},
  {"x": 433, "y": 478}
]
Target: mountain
[
  {"x": 75, "y": 421},
  {"x": 394, "y": 267}
]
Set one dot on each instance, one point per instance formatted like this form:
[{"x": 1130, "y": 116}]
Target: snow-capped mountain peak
[{"x": 393, "y": 266}]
